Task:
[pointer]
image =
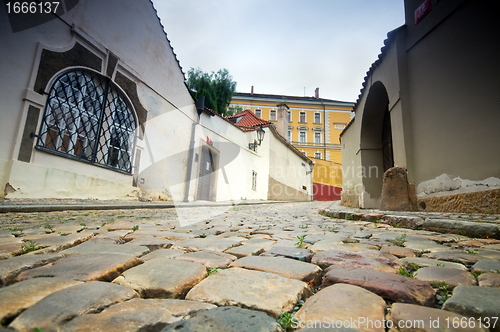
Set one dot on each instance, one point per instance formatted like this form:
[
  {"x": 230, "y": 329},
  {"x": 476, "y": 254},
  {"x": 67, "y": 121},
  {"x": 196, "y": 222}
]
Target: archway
[{"x": 376, "y": 142}]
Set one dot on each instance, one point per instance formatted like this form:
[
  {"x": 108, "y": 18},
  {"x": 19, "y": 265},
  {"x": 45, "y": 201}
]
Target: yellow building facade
[{"x": 314, "y": 126}]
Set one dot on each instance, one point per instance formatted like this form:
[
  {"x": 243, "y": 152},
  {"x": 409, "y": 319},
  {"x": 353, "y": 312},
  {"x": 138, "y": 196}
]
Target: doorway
[{"x": 207, "y": 175}]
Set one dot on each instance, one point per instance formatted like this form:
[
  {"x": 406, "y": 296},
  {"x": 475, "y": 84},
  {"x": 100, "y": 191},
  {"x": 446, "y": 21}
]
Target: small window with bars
[
  {"x": 254, "y": 180},
  {"x": 87, "y": 118}
]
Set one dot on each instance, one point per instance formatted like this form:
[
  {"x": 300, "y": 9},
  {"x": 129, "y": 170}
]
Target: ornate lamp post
[{"x": 260, "y": 137}]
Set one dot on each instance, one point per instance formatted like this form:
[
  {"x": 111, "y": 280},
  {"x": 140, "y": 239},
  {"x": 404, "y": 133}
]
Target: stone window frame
[
  {"x": 302, "y": 117},
  {"x": 258, "y": 113},
  {"x": 317, "y": 118},
  {"x": 302, "y": 134},
  {"x": 272, "y": 115},
  {"x": 317, "y": 137}
]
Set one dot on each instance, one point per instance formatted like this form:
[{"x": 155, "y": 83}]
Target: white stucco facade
[{"x": 122, "y": 45}]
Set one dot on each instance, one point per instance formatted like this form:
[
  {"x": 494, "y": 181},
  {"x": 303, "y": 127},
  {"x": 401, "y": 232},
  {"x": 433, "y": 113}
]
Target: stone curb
[
  {"x": 119, "y": 206},
  {"x": 460, "y": 227}
]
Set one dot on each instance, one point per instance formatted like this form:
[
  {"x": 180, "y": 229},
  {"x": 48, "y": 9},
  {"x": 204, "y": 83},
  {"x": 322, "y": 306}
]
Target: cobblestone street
[{"x": 255, "y": 267}]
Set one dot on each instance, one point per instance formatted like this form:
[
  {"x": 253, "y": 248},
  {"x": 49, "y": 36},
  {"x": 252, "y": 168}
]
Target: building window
[
  {"x": 317, "y": 137},
  {"x": 258, "y": 113},
  {"x": 317, "y": 155},
  {"x": 254, "y": 180},
  {"x": 302, "y": 136},
  {"x": 339, "y": 125},
  {"x": 289, "y": 116},
  {"x": 87, "y": 118},
  {"x": 272, "y": 116},
  {"x": 317, "y": 118},
  {"x": 289, "y": 136},
  {"x": 302, "y": 117},
  {"x": 304, "y": 153}
]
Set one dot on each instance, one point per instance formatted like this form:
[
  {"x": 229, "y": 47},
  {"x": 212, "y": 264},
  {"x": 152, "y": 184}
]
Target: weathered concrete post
[{"x": 283, "y": 119}]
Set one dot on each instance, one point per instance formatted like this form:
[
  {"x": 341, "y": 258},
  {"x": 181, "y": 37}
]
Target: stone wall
[{"x": 486, "y": 201}]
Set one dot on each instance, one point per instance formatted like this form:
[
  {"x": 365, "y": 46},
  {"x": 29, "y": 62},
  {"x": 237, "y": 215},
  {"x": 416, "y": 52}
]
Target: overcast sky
[{"x": 282, "y": 46}]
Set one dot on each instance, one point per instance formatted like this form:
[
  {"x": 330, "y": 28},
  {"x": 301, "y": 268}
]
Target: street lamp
[{"x": 260, "y": 137}]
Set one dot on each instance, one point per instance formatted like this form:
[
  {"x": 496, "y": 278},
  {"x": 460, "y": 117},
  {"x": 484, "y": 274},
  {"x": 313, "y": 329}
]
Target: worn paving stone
[
  {"x": 300, "y": 254},
  {"x": 425, "y": 319},
  {"x": 486, "y": 266},
  {"x": 11, "y": 249},
  {"x": 163, "y": 253},
  {"x": 56, "y": 309},
  {"x": 457, "y": 256},
  {"x": 198, "y": 244},
  {"x": 10, "y": 268},
  {"x": 400, "y": 251},
  {"x": 211, "y": 259},
  {"x": 176, "y": 236},
  {"x": 390, "y": 286},
  {"x": 137, "y": 315},
  {"x": 245, "y": 250},
  {"x": 452, "y": 276},
  {"x": 284, "y": 267},
  {"x": 492, "y": 246},
  {"x": 489, "y": 280},
  {"x": 345, "y": 303},
  {"x": 227, "y": 319},
  {"x": 116, "y": 237},
  {"x": 109, "y": 248},
  {"x": 152, "y": 243},
  {"x": 427, "y": 262},
  {"x": 472, "y": 229},
  {"x": 425, "y": 245},
  {"x": 84, "y": 267},
  {"x": 250, "y": 289},
  {"x": 365, "y": 259},
  {"x": 55, "y": 243},
  {"x": 163, "y": 278},
  {"x": 16, "y": 298},
  {"x": 328, "y": 244},
  {"x": 474, "y": 301}
]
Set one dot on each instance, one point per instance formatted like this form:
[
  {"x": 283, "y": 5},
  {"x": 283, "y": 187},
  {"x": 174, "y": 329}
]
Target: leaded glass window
[{"x": 88, "y": 118}]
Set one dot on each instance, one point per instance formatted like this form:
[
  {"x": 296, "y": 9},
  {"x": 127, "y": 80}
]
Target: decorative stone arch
[{"x": 375, "y": 142}]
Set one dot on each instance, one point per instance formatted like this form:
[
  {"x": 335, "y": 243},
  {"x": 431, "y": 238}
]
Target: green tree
[{"x": 218, "y": 88}]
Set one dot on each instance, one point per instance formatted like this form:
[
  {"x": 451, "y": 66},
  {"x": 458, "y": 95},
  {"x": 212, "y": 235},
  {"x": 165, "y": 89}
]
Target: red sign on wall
[{"x": 422, "y": 10}]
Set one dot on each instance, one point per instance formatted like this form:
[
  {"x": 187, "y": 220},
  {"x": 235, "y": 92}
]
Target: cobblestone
[{"x": 188, "y": 251}]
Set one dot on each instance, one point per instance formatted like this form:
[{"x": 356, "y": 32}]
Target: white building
[{"x": 94, "y": 105}]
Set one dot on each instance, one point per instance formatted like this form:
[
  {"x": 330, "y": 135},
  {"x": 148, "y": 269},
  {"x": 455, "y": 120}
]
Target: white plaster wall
[
  {"x": 287, "y": 167},
  {"x": 236, "y": 160},
  {"x": 130, "y": 30}
]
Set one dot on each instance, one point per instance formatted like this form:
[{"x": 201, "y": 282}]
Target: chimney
[
  {"x": 283, "y": 119},
  {"x": 251, "y": 90},
  {"x": 316, "y": 93}
]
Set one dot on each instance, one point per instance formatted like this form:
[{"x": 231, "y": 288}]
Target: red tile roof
[{"x": 247, "y": 120}]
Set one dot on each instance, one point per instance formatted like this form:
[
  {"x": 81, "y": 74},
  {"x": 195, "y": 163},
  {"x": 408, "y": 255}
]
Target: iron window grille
[
  {"x": 88, "y": 118},
  {"x": 254, "y": 180}
]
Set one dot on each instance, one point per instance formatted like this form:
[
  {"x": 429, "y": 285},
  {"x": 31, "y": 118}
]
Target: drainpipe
[{"x": 324, "y": 130}]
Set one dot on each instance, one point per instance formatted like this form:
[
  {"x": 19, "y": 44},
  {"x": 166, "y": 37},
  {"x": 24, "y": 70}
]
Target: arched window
[{"x": 88, "y": 118}]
